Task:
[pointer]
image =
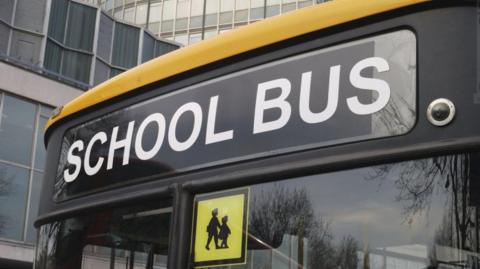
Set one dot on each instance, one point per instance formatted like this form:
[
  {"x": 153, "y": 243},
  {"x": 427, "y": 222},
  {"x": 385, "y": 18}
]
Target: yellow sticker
[{"x": 220, "y": 228}]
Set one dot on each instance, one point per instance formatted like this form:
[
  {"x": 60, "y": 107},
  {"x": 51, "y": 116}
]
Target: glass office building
[
  {"x": 189, "y": 21},
  {"x": 50, "y": 52},
  {"x": 88, "y": 45},
  {"x": 22, "y": 160}
]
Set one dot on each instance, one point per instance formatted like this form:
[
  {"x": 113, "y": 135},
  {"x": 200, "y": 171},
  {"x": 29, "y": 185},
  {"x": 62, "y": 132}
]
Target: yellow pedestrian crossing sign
[{"x": 220, "y": 223}]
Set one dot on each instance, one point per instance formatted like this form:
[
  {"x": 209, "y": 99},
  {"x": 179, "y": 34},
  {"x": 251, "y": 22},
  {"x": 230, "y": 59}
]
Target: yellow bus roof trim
[{"x": 232, "y": 43}]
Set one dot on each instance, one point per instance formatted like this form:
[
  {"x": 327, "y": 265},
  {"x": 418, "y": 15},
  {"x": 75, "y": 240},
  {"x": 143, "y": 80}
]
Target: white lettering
[
  {"x": 377, "y": 85},
  {"x": 211, "y": 136},
  {"x": 143, "y": 154},
  {"x": 102, "y": 137},
  {"x": 259, "y": 126},
  {"x": 75, "y": 160},
  {"x": 333, "y": 88},
  {"x": 197, "y": 125},
  {"x": 125, "y": 143}
]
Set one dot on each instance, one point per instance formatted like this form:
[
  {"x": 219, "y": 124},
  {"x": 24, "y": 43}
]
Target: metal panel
[
  {"x": 102, "y": 72},
  {"x": 4, "y": 38},
  {"x": 148, "y": 47},
  {"x": 81, "y": 27},
  {"x": 26, "y": 47},
  {"x": 6, "y": 10},
  {"x": 30, "y": 14},
  {"x": 105, "y": 37}
]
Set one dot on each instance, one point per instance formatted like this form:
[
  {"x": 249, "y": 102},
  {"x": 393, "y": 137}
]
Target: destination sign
[{"x": 355, "y": 91}]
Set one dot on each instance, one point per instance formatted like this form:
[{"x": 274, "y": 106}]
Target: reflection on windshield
[
  {"x": 415, "y": 214},
  {"x": 131, "y": 238}
]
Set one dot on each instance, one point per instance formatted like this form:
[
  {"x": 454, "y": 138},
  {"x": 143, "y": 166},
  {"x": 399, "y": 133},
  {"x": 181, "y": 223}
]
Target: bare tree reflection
[
  {"x": 347, "y": 252},
  {"x": 5, "y": 189},
  {"x": 47, "y": 245},
  {"x": 285, "y": 211},
  {"x": 418, "y": 181},
  {"x": 443, "y": 234},
  {"x": 396, "y": 118}
]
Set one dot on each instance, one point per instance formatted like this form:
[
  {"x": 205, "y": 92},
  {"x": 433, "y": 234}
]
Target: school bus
[{"x": 342, "y": 135}]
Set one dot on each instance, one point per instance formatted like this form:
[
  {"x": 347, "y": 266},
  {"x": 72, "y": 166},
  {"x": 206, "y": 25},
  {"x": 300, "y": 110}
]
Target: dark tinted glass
[
  {"x": 133, "y": 237},
  {"x": 105, "y": 36},
  {"x": 4, "y": 38},
  {"x": 58, "y": 16},
  {"x": 40, "y": 151},
  {"x": 125, "y": 46},
  {"x": 102, "y": 72},
  {"x": 148, "y": 47},
  {"x": 115, "y": 71},
  {"x": 16, "y": 130},
  {"x": 76, "y": 65},
  {"x": 13, "y": 201},
  {"x": 30, "y": 14},
  {"x": 6, "y": 10},
  {"x": 414, "y": 214},
  {"x": 81, "y": 26},
  {"x": 163, "y": 47},
  {"x": 25, "y": 47},
  {"x": 36, "y": 187},
  {"x": 53, "y": 56}
]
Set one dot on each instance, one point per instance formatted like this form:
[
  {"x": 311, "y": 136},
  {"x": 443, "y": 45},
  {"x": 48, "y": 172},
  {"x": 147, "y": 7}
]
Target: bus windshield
[
  {"x": 412, "y": 214},
  {"x": 131, "y": 237}
]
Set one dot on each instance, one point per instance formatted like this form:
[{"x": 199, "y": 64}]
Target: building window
[
  {"x": 76, "y": 65},
  {"x": 155, "y": 12},
  {"x": 141, "y": 14},
  {"x": 241, "y": 15},
  {"x": 302, "y": 4},
  {"x": 58, "y": 18},
  {"x": 81, "y": 27},
  {"x": 6, "y": 10},
  {"x": 148, "y": 47},
  {"x": 273, "y": 8},
  {"x": 4, "y": 36},
  {"x": 25, "y": 47},
  {"x": 70, "y": 51},
  {"x": 226, "y": 5},
  {"x": 163, "y": 48},
  {"x": 30, "y": 15},
  {"x": 53, "y": 56},
  {"x": 13, "y": 201},
  {"x": 70, "y": 55},
  {"x": 194, "y": 38},
  {"x": 125, "y": 46},
  {"x": 16, "y": 130},
  {"x": 105, "y": 36},
  {"x": 22, "y": 161}
]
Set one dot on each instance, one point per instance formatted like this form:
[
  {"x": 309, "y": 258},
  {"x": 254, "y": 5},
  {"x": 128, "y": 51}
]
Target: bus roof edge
[{"x": 243, "y": 39}]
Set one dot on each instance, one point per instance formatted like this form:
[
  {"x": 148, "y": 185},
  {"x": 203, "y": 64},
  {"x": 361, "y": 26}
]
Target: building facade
[
  {"x": 50, "y": 52},
  {"x": 88, "y": 45},
  {"x": 73, "y": 41},
  {"x": 189, "y": 21}
]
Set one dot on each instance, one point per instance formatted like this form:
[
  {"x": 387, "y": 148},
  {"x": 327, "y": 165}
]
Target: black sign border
[{"x": 215, "y": 263}]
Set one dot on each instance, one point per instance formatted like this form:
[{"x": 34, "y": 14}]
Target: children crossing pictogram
[{"x": 220, "y": 228}]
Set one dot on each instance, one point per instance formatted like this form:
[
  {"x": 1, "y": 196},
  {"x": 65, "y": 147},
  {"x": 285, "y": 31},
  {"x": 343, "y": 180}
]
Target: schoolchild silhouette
[
  {"x": 212, "y": 229},
  {"x": 224, "y": 232}
]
